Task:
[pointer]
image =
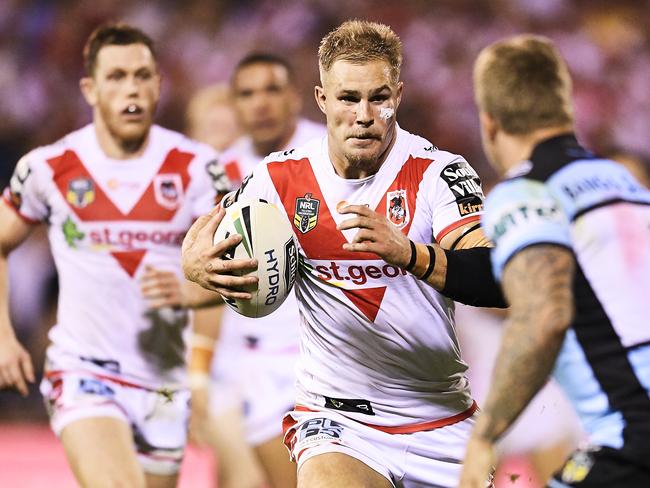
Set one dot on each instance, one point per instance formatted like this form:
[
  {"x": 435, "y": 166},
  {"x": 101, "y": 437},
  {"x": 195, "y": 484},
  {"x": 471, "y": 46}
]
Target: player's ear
[
  {"x": 489, "y": 126},
  {"x": 319, "y": 94},
  {"x": 398, "y": 96},
  {"x": 88, "y": 89}
]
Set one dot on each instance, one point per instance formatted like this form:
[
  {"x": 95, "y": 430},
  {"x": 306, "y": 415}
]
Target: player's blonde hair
[
  {"x": 524, "y": 84},
  {"x": 360, "y": 41}
]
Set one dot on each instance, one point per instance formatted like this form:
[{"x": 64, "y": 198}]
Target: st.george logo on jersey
[
  {"x": 397, "y": 208},
  {"x": 81, "y": 192},
  {"x": 168, "y": 190},
  {"x": 306, "y": 216}
]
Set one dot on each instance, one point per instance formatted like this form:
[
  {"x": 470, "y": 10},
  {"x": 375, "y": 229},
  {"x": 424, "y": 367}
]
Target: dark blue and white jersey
[{"x": 567, "y": 197}]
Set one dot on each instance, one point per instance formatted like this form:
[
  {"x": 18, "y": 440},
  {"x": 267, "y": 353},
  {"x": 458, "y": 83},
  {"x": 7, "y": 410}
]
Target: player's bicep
[
  {"x": 538, "y": 282},
  {"x": 14, "y": 229},
  {"x": 465, "y": 237}
]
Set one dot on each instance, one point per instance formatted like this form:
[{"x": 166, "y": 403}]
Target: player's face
[
  {"x": 360, "y": 102},
  {"x": 217, "y": 126},
  {"x": 266, "y": 102},
  {"x": 124, "y": 90}
]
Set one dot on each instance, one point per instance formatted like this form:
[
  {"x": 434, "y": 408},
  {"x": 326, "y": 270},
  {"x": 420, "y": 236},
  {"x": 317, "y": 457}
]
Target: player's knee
[{"x": 115, "y": 478}]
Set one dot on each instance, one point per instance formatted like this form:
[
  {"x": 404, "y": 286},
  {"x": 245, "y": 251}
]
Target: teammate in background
[
  {"x": 254, "y": 365},
  {"x": 382, "y": 397},
  {"x": 118, "y": 196},
  {"x": 211, "y": 118},
  {"x": 572, "y": 251}
]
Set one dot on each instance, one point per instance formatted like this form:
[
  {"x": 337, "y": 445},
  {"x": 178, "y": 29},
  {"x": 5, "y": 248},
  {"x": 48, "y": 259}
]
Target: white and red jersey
[
  {"x": 377, "y": 344},
  {"x": 264, "y": 333},
  {"x": 108, "y": 219}
]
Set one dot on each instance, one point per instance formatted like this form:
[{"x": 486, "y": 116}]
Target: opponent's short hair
[
  {"x": 264, "y": 58},
  {"x": 113, "y": 35},
  {"x": 524, "y": 84},
  {"x": 360, "y": 41}
]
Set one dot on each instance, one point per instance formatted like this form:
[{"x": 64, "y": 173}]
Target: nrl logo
[
  {"x": 81, "y": 192},
  {"x": 168, "y": 190},
  {"x": 306, "y": 216},
  {"x": 397, "y": 208}
]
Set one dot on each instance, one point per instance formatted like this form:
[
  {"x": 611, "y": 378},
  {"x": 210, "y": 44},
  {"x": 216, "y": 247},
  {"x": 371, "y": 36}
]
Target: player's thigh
[
  {"x": 238, "y": 466},
  {"x": 161, "y": 481},
  {"x": 274, "y": 458},
  {"x": 334, "y": 470},
  {"x": 101, "y": 453}
]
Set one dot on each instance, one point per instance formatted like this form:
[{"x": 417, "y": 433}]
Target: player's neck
[
  {"x": 518, "y": 148},
  {"x": 116, "y": 148},
  {"x": 263, "y": 149}
]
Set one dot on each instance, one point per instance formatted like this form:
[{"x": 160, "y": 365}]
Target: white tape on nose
[{"x": 386, "y": 113}]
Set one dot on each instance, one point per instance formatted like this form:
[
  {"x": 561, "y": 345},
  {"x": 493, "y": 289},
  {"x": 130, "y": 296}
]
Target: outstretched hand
[
  {"x": 202, "y": 261},
  {"x": 16, "y": 368},
  {"x": 376, "y": 234}
]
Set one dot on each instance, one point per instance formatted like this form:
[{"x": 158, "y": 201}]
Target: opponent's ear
[
  {"x": 319, "y": 94},
  {"x": 489, "y": 126},
  {"x": 89, "y": 90}
]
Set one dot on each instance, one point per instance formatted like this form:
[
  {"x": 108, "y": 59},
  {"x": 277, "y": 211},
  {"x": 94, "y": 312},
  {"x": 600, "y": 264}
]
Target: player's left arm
[{"x": 537, "y": 282}]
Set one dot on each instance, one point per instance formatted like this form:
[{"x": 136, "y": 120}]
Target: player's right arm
[{"x": 15, "y": 364}]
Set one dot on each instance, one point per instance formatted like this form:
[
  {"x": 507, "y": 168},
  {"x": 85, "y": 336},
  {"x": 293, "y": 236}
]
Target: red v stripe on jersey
[
  {"x": 232, "y": 172},
  {"x": 129, "y": 260},
  {"x": 368, "y": 300},
  {"x": 68, "y": 167},
  {"x": 293, "y": 179},
  {"x": 409, "y": 179}
]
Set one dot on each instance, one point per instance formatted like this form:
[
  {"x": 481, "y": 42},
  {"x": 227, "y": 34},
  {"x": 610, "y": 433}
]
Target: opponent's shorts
[
  {"x": 420, "y": 459},
  {"x": 158, "y": 419},
  {"x": 263, "y": 386},
  {"x": 605, "y": 467}
]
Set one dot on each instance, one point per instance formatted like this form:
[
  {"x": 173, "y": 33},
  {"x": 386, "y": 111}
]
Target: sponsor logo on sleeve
[
  {"x": 220, "y": 181},
  {"x": 168, "y": 190},
  {"x": 81, "y": 192},
  {"x": 530, "y": 212},
  {"x": 397, "y": 209},
  {"x": 306, "y": 216},
  {"x": 465, "y": 185}
]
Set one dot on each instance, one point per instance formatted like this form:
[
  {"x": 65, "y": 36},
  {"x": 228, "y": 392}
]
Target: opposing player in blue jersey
[{"x": 572, "y": 252}]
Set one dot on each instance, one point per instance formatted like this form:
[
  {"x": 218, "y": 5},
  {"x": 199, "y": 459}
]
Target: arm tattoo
[{"x": 538, "y": 285}]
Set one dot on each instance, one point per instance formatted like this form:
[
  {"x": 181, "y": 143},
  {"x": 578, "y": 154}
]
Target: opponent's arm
[
  {"x": 538, "y": 284},
  {"x": 15, "y": 364}
]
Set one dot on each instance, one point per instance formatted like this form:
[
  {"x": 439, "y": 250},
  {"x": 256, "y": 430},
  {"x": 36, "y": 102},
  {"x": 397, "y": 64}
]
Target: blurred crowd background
[{"x": 607, "y": 45}]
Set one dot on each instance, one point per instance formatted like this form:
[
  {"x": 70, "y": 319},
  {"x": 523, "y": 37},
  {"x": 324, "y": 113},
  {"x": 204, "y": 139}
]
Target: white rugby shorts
[
  {"x": 428, "y": 458},
  {"x": 262, "y": 383},
  {"x": 158, "y": 418}
]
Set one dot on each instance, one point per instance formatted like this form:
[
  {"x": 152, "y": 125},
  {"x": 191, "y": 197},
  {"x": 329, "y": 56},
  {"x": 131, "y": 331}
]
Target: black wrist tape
[
  {"x": 414, "y": 256},
  {"x": 432, "y": 264}
]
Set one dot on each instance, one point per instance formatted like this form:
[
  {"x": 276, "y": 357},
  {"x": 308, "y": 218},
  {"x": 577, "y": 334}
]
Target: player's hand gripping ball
[{"x": 266, "y": 236}]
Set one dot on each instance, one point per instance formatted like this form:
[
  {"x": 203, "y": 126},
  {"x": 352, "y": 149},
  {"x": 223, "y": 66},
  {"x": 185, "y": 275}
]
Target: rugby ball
[{"x": 267, "y": 236}]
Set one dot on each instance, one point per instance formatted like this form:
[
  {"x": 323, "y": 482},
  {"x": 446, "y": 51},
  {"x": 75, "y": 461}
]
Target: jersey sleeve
[
  {"x": 212, "y": 183},
  {"x": 456, "y": 198},
  {"x": 257, "y": 185},
  {"x": 521, "y": 213},
  {"x": 24, "y": 193}
]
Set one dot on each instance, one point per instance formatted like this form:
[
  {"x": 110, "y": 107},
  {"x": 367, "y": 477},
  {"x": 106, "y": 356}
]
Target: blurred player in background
[
  {"x": 382, "y": 397},
  {"x": 211, "y": 117},
  {"x": 254, "y": 366},
  {"x": 572, "y": 251},
  {"x": 118, "y": 196}
]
